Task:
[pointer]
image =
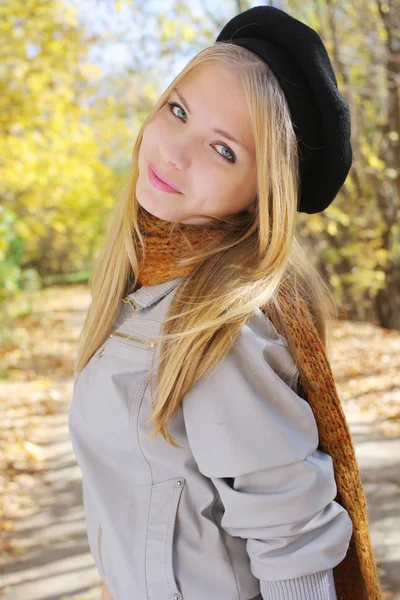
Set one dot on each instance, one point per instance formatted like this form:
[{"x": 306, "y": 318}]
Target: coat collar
[{"x": 147, "y": 295}]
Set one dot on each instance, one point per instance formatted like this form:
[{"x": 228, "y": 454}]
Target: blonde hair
[{"x": 259, "y": 253}]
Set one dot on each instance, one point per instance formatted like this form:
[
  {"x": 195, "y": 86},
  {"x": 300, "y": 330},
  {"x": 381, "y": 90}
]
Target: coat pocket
[
  {"x": 158, "y": 568},
  {"x": 133, "y": 339},
  {"x": 94, "y": 530},
  {"x": 131, "y": 347},
  {"x": 100, "y": 549}
]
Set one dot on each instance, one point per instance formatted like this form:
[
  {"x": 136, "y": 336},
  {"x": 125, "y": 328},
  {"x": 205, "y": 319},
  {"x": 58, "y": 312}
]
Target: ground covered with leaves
[{"x": 37, "y": 360}]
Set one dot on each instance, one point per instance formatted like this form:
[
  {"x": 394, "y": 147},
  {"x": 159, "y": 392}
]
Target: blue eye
[
  {"x": 232, "y": 158},
  {"x": 172, "y": 105}
]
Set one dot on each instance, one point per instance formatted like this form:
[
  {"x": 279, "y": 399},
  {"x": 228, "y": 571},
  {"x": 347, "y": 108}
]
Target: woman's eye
[
  {"x": 231, "y": 158},
  {"x": 172, "y": 106}
]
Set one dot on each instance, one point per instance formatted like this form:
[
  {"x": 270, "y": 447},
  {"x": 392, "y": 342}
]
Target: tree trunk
[{"x": 387, "y": 304}]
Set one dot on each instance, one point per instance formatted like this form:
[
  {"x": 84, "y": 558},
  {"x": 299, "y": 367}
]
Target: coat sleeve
[{"x": 257, "y": 439}]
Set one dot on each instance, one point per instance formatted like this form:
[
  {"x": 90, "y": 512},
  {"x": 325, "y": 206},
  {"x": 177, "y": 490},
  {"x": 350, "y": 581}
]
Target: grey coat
[{"x": 245, "y": 509}]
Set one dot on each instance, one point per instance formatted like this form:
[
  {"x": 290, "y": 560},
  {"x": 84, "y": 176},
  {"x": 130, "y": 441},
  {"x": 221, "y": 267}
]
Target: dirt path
[{"x": 47, "y": 555}]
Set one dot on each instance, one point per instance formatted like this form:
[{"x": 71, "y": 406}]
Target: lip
[{"x": 160, "y": 182}]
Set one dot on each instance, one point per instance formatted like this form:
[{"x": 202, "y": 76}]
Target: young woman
[{"x": 205, "y": 474}]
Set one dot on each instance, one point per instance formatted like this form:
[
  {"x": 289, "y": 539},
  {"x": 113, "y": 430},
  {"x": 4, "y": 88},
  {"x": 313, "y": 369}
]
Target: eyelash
[{"x": 232, "y": 161}]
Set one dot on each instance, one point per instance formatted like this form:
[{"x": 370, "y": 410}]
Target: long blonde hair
[{"x": 259, "y": 253}]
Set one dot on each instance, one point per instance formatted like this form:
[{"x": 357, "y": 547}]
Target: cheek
[
  {"x": 157, "y": 126},
  {"x": 149, "y": 131},
  {"x": 235, "y": 190},
  {"x": 148, "y": 135}
]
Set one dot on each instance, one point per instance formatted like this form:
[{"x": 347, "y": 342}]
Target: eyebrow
[{"x": 220, "y": 131}]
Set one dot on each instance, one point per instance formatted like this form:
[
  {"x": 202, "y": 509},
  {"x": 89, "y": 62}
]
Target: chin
[{"x": 153, "y": 207}]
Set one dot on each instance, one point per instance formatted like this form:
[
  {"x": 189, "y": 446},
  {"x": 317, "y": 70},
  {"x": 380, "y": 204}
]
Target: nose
[{"x": 174, "y": 152}]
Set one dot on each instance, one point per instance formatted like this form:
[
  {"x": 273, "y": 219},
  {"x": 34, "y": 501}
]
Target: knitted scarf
[
  {"x": 163, "y": 250},
  {"x": 356, "y": 576}
]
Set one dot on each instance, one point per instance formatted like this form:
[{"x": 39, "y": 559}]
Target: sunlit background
[{"x": 77, "y": 79}]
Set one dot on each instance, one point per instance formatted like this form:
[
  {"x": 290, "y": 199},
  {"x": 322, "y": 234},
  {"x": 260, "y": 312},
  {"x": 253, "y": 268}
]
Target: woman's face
[{"x": 215, "y": 175}]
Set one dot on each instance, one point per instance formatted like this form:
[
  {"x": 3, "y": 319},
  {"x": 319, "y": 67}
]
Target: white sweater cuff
[{"x": 318, "y": 586}]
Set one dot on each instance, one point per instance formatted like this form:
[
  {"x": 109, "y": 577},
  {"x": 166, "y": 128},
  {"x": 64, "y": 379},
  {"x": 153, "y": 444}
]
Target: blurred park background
[{"x": 77, "y": 79}]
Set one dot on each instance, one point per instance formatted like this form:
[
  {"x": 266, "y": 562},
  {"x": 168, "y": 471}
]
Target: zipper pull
[{"x": 130, "y": 302}]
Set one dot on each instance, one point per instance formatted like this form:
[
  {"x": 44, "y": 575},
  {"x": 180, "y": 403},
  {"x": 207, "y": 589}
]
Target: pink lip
[{"x": 160, "y": 182}]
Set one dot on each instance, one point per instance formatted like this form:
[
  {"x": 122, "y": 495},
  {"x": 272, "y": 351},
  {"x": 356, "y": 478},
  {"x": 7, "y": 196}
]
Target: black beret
[{"x": 320, "y": 114}]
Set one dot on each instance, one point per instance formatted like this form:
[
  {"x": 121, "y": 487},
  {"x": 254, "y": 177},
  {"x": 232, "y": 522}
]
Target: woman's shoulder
[{"x": 261, "y": 339}]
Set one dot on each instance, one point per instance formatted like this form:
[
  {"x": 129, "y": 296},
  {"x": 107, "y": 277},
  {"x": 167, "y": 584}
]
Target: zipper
[
  {"x": 99, "y": 547},
  {"x": 150, "y": 343}
]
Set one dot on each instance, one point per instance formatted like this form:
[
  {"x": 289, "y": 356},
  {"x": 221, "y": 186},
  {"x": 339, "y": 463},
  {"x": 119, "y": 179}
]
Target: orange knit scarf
[
  {"x": 356, "y": 576},
  {"x": 163, "y": 250}
]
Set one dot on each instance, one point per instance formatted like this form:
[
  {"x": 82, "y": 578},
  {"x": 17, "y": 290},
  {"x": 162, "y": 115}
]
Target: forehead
[{"x": 215, "y": 94}]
